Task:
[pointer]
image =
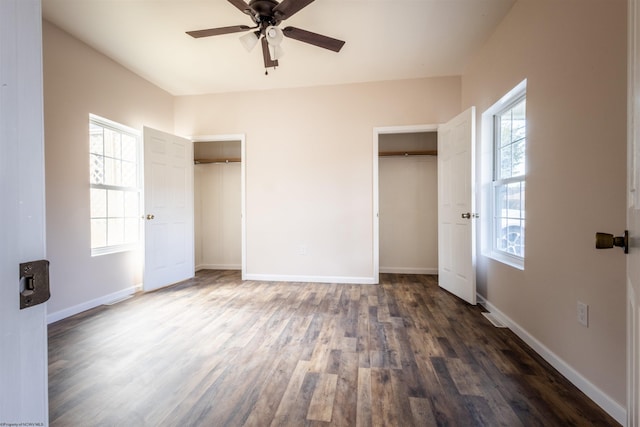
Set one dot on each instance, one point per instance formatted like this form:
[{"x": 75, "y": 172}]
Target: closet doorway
[
  {"x": 219, "y": 195},
  {"x": 406, "y": 200}
]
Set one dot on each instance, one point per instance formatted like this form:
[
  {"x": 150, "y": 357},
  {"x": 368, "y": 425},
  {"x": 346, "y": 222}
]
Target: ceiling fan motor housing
[{"x": 263, "y": 13}]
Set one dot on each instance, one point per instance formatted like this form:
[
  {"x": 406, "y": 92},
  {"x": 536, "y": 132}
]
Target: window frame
[
  {"x": 491, "y": 179},
  {"x": 137, "y": 189}
]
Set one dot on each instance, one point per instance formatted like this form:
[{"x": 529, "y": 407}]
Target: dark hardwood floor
[{"x": 217, "y": 351}]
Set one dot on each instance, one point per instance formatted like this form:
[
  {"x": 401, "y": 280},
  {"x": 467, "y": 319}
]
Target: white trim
[
  {"x": 505, "y": 258},
  {"x": 408, "y": 270},
  {"x": 119, "y": 127},
  {"x": 218, "y": 267},
  {"x": 633, "y": 359},
  {"x": 311, "y": 279},
  {"x": 377, "y": 131},
  {"x": 243, "y": 185},
  {"x": 88, "y": 305},
  {"x": 613, "y": 408}
]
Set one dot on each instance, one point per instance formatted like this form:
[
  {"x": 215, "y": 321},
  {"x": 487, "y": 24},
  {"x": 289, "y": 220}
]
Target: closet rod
[
  {"x": 229, "y": 160},
  {"x": 408, "y": 153}
]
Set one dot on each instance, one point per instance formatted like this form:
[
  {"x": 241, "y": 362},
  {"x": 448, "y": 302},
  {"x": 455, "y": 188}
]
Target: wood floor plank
[
  {"x": 384, "y": 411},
  {"x": 217, "y": 350},
  {"x": 287, "y": 403},
  {"x": 345, "y": 411},
  {"x": 422, "y": 412},
  {"x": 321, "y": 405},
  {"x": 364, "y": 404}
]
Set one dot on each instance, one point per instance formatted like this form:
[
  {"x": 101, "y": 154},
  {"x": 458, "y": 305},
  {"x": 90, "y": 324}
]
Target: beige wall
[
  {"x": 218, "y": 221},
  {"x": 573, "y": 56},
  {"x": 408, "y": 191},
  {"x": 309, "y": 167},
  {"x": 78, "y": 81}
]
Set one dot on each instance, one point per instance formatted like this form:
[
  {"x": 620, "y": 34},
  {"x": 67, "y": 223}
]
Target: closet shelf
[
  {"x": 408, "y": 153},
  {"x": 223, "y": 160}
]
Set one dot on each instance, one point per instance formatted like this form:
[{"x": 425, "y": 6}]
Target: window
[
  {"x": 509, "y": 178},
  {"x": 115, "y": 186},
  {"x": 506, "y": 134}
]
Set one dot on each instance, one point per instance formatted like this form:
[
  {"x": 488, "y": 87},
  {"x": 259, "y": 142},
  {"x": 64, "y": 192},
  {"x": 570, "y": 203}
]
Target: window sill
[
  {"x": 114, "y": 249},
  {"x": 512, "y": 261}
]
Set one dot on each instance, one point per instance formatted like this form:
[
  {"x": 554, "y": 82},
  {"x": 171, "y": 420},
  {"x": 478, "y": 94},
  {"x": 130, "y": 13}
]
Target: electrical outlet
[
  {"x": 583, "y": 314},
  {"x": 302, "y": 250}
]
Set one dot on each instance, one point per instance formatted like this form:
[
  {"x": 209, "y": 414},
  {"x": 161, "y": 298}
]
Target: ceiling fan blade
[
  {"x": 313, "y": 38},
  {"x": 241, "y": 5},
  {"x": 268, "y": 62},
  {"x": 288, "y": 8},
  {"x": 219, "y": 31}
]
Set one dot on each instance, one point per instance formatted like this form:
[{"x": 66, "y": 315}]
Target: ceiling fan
[{"x": 267, "y": 15}]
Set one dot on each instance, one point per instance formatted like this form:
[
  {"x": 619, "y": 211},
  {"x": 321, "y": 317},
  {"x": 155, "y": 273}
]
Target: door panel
[
  {"x": 633, "y": 220},
  {"x": 168, "y": 186},
  {"x": 23, "y": 333},
  {"x": 456, "y": 234}
]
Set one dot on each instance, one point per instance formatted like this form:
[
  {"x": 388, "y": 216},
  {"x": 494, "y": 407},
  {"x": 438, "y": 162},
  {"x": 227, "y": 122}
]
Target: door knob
[
  {"x": 150, "y": 216},
  {"x": 607, "y": 241},
  {"x": 466, "y": 215}
]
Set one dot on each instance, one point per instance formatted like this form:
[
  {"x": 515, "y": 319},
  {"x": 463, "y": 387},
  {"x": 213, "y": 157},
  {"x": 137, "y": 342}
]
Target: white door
[
  {"x": 633, "y": 220},
  {"x": 23, "y": 333},
  {"x": 168, "y": 209},
  {"x": 456, "y": 206}
]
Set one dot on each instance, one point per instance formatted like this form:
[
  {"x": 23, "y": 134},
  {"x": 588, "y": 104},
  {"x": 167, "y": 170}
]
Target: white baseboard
[
  {"x": 67, "y": 312},
  {"x": 407, "y": 270},
  {"x": 218, "y": 267},
  {"x": 609, "y": 405},
  {"x": 312, "y": 279}
]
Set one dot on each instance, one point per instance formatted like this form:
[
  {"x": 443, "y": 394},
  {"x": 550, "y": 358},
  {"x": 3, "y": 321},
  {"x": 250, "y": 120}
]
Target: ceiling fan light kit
[
  {"x": 267, "y": 15},
  {"x": 249, "y": 41}
]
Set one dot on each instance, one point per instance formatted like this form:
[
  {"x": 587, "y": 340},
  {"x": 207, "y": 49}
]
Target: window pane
[
  {"x": 95, "y": 139},
  {"x": 129, "y": 148},
  {"x": 112, "y": 171},
  {"x": 504, "y": 159},
  {"x": 518, "y": 116},
  {"x": 129, "y": 174},
  {"x": 514, "y": 205},
  {"x": 500, "y": 198},
  {"x": 115, "y": 203},
  {"x": 517, "y": 152},
  {"x": 131, "y": 200},
  {"x": 115, "y": 231},
  {"x": 112, "y": 146},
  {"x": 509, "y": 218},
  {"x": 98, "y": 203},
  {"x": 98, "y": 233},
  {"x": 97, "y": 169},
  {"x": 505, "y": 129}
]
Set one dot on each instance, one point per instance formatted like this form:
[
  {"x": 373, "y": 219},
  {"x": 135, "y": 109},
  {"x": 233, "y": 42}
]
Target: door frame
[
  {"x": 243, "y": 168},
  {"x": 377, "y": 131}
]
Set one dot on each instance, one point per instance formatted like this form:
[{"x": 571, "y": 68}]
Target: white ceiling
[{"x": 385, "y": 40}]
